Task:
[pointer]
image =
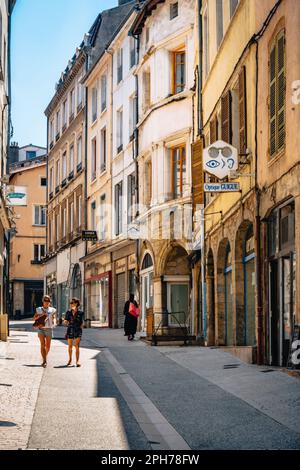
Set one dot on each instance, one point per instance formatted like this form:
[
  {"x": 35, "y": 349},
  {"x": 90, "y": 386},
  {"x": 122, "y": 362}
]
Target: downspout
[
  {"x": 47, "y": 200},
  {"x": 137, "y": 192},
  {"x": 203, "y": 333},
  {"x": 85, "y": 181},
  {"x": 260, "y": 346}
]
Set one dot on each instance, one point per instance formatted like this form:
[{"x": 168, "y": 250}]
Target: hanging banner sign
[{"x": 221, "y": 187}]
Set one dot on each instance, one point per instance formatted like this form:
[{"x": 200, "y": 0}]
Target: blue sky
[{"x": 45, "y": 34}]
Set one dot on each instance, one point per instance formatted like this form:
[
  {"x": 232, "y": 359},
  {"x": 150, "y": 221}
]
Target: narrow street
[{"x": 134, "y": 396}]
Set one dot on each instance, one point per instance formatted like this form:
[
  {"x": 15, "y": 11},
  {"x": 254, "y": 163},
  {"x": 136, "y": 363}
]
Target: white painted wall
[{"x": 123, "y": 163}]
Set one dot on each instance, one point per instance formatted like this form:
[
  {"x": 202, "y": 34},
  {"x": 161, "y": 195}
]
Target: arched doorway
[
  {"x": 249, "y": 287},
  {"x": 176, "y": 287},
  {"x": 228, "y": 297},
  {"x": 245, "y": 285},
  {"x": 146, "y": 289},
  {"x": 76, "y": 282},
  {"x": 210, "y": 282}
]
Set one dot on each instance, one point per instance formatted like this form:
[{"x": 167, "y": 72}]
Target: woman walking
[
  {"x": 74, "y": 320},
  {"x": 45, "y": 321},
  {"x": 130, "y": 324}
]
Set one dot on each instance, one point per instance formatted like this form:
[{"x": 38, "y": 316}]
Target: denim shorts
[{"x": 45, "y": 332}]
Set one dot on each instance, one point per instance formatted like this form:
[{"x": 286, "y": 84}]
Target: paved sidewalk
[
  {"x": 129, "y": 395},
  {"x": 20, "y": 378},
  {"x": 210, "y": 406}
]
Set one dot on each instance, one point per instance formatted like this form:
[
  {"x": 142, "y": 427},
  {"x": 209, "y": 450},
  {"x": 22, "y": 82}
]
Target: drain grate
[
  {"x": 267, "y": 370},
  {"x": 231, "y": 366},
  {"x": 5, "y": 385}
]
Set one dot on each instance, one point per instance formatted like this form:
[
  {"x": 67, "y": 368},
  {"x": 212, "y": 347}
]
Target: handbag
[
  {"x": 40, "y": 322},
  {"x": 134, "y": 310}
]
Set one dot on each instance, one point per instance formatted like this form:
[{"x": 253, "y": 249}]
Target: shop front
[{"x": 282, "y": 281}]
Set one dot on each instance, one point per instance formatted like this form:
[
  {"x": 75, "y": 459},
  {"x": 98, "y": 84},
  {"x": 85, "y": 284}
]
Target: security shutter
[
  {"x": 242, "y": 111},
  {"x": 226, "y": 118},
  {"x": 120, "y": 299}
]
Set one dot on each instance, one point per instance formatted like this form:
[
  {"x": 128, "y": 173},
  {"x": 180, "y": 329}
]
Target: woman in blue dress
[{"x": 74, "y": 320}]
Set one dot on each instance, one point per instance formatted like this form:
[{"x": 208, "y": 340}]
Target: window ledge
[{"x": 277, "y": 156}]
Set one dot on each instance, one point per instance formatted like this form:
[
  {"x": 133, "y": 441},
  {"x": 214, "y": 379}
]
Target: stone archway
[
  {"x": 224, "y": 321},
  {"x": 245, "y": 284},
  {"x": 210, "y": 283}
]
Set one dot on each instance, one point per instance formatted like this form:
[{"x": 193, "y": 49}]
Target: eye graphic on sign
[{"x": 213, "y": 164}]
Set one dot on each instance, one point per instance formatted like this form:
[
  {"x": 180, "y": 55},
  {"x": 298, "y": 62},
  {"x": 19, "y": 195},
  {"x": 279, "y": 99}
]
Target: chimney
[{"x": 13, "y": 153}]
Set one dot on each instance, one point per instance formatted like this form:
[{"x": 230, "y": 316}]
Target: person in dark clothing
[
  {"x": 74, "y": 320},
  {"x": 130, "y": 324}
]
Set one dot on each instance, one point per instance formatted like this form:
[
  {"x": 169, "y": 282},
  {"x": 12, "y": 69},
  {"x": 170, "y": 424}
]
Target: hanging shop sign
[
  {"x": 16, "y": 196},
  {"x": 219, "y": 159},
  {"x": 89, "y": 236},
  {"x": 221, "y": 187}
]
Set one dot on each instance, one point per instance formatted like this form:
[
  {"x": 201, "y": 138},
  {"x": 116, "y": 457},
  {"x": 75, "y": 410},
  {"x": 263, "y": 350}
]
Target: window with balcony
[{"x": 57, "y": 171}]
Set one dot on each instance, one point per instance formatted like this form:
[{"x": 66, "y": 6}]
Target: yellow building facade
[{"x": 28, "y": 244}]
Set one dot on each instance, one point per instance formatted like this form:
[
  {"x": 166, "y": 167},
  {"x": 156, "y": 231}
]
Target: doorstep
[{"x": 246, "y": 354}]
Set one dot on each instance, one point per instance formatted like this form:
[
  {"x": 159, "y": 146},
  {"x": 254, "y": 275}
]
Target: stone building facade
[{"x": 166, "y": 79}]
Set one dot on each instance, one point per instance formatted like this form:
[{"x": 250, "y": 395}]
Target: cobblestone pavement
[
  {"x": 133, "y": 396},
  {"x": 20, "y": 378}
]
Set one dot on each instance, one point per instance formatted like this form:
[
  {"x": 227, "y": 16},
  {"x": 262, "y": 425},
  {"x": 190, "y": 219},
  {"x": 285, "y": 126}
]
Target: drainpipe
[
  {"x": 47, "y": 187},
  {"x": 260, "y": 346},
  {"x": 85, "y": 181},
  {"x": 203, "y": 332},
  {"x": 137, "y": 192}
]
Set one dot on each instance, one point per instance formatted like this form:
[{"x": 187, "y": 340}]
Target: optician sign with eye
[{"x": 219, "y": 159}]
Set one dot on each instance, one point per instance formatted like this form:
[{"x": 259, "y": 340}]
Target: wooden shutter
[
  {"x": 213, "y": 130},
  {"x": 197, "y": 174},
  {"x": 273, "y": 101},
  {"x": 242, "y": 110},
  {"x": 226, "y": 118},
  {"x": 280, "y": 91},
  {"x": 277, "y": 94}
]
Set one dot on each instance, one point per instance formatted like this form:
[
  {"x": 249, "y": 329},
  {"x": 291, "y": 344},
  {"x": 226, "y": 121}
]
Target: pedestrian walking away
[
  {"x": 45, "y": 321},
  {"x": 74, "y": 320},
  {"x": 131, "y": 312}
]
